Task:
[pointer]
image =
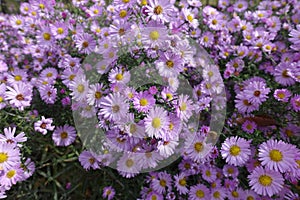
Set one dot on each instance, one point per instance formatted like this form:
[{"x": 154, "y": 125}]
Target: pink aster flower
[
  {"x": 181, "y": 183},
  {"x": 277, "y": 155},
  {"x": 162, "y": 182},
  {"x": 257, "y": 92},
  {"x": 282, "y": 95},
  {"x": 249, "y": 126},
  {"x": 43, "y": 125},
  {"x": 48, "y": 93},
  {"x": 108, "y": 192},
  {"x": 154, "y": 35},
  {"x": 265, "y": 181},
  {"x": 9, "y": 137},
  {"x": 64, "y": 135},
  {"x": 19, "y": 95},
  {"x": 169, "y": 64},
  {"x": 236, "y": 151},
  {"x": 143, "y": 101}
]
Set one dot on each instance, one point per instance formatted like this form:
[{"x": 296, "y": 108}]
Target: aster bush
[{"x": 149, "y": 99}]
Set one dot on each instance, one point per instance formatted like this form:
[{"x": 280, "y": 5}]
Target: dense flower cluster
[{"x": 50, "y": 52}]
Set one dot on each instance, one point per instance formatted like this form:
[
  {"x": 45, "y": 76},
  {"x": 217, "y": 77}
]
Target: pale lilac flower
[
  {"x": 64, "y": 135},
  {"x": 9, "y": 137},
  {"x": 9, "y": 155},
  {"x": 265, "y": 181},
  {"x": 19, "y": 95}
]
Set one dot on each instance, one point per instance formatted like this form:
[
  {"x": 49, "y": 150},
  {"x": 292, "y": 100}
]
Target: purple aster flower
[
  {"x": 9, "y": 155},
  {"x": 181, "y": 183},
  {"x": 85, "y": 43},
  {"x": 257, "y": 92},
  {"x": 207, "y": 39},
  {"x": 236, "y": 151},
  {"x": 19, "y": 95},
  {"x": 169, "y": 64},
  {"x": 277, "y": 155},
  {"x": 295, "y": 35},
  {"x": 114, "y": 106},
  {"x": 295, "y": 101},
  {"x": 218, "y": 193},
  {"x": 9, "y": 137},
  {"x": 167, "y": 148},
  {"x": 108, "y": 192},
  {"x": 184, "y": 107},
  {"x": 154, "y": 195},
  {"x": 199, "y": 192},
  {"x": 143, "y": 101},
  {"x": 2, "y": 95},
  {"x": 89, "y": 159},
  {"x": 48, "y": 93},
  {"x": 154, "y": 35},
  {"x": 240, "y": 6},
  {"x": 249, "y": 126},
  {"x": 43, "y": 125},
  {"x": 209, "y": 173},
  {"x": 265, "y": 181},
  {"x": 118, "y": 76},
  {"x": 243, "y": 105},
  {"x": 190, "y": 17},
  {"x": 45, "y": 36},
  {"x": 59, "y": 30},
  {"x": 162, "y": 183},
  {"x": 128, "y": 166},
  {"x": 282, "y": 95},
  {"x": 282, "y": 76},
  {"x": 156, "y": 123},
  {"x": 79, "y": 88},
  {"x": 64, "y": 135},
  {"x": 28, "y": 168},
  {"x": 230, "y": 171},
  {"x": 159, "y": 10},
  {"x": 197, "y": 149},
  {"x": 12, "y": 176}
]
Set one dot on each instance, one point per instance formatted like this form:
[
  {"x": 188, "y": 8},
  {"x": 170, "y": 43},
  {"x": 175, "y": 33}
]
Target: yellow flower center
[
  {"x": 230, "y": 170},
  {"x": 42, "y": 6},
  {"x": 144, "y": 2},
  {"x": 92, "y": 160},
  {"x": 208, "y": 173},
  {"x": 1, "y": 99},
  {"x": 123, "y": 13},
  {"x": 64, "y": 135},
  {"x": 216, "y": 194},
  {"x": 154, "y": 35},
  {"x": 235, "y": 194},
  {"x": 158, "y": 10},
  {"x": 183, "y": 107},
  {"x": 156, "y": 123},
  {"x": 71, "y": 77},
  {"x": 129, "y": 163},
  {"x": 171, "y": 126},
  {"x": 214, "y": 21},
  {"x": 200, "y": 193},
  {"x": 275, "y": 155},
  {"x": 280, "y": 95},
  {"x": 96, "y": 11},
  {"x": 163, "y": 182},
  {"x": 265, "y": 180},
  {"x": 47, "y": 36},
  {"x": 205, "y": 39},
  {"x": 49, "y": 74},
  {"x": 126, "y": 1},
  {"x": 143, "y": 102},
  {"x": 190, "y": 18},
  {"x": 18, "y": 22},
  {"x": 169, "y": 96},
  {"x": 170, "y": 64},
  {"x": 182, "y": 182},
  {"x": 85, "y": 44},
  {"x": 198, "y": 146},
  {"x": 80, "y": 88},
  {"x": 119, "y": 77},
  {"x": 98, "y": 95},
  {"x": 240, "y": 6},
  {"x": 3, "y": 157},
  {"x": 11, "y": 173},
  {"x": 235, "y": 150},
  {"x": 210, "y": 73},
  {"x": 250, "y": 198},
  {"x": 133, "y": 128},
  {"x": 60, "y": 30},
  {"x": 18, "y": 78}
]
